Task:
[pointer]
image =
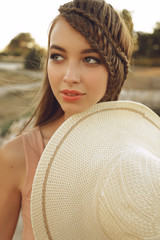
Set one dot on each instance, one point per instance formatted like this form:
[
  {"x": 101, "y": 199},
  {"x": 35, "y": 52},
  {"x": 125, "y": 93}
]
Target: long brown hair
[{"x": 104, "y": 29}]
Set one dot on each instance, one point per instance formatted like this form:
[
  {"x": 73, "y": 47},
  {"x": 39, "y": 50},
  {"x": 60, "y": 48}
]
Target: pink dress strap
[{"x": 33, "y": 148}]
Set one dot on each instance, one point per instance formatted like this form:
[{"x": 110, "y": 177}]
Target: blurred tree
[
  {"x": 126, "y": 15},
  {"x": 149, "y": 43},
  {"x": 156, "y": 40},
  {"x": 157, "y": 28},
  {"x": 20, "y": 45},
  {"x": 34, "y": 58}
]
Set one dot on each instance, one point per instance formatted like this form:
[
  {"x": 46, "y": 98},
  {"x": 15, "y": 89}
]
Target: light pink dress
[{"x": 33, "y": 148}]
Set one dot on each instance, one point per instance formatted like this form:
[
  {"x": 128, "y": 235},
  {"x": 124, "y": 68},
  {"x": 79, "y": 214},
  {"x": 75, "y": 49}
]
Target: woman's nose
[{"x": 72, "y": 74}]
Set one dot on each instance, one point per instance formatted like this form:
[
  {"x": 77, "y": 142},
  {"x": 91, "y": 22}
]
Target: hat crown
[{"x": 128, "y": 194}]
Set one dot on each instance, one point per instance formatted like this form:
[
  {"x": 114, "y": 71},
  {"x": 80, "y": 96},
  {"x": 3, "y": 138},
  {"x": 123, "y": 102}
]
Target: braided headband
[{"x": 117, "y": 48}]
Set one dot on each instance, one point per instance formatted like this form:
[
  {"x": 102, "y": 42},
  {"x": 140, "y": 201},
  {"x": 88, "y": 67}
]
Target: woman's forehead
[{"x": 63, "y": 33}]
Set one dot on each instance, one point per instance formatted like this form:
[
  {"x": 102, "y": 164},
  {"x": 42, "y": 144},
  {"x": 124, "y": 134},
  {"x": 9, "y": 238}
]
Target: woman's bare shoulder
[
  {"x": 12, "y": 159},
  {"x": 13, "y": 149}
]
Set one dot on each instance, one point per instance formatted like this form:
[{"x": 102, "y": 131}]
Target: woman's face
[{"x": 76, "y": 74}]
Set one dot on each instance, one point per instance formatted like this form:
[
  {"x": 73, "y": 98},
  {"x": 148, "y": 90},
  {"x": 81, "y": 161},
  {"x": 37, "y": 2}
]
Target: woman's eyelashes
[
  {"x": 56, "y": 57},
  {"x": 92, "y": 60}
]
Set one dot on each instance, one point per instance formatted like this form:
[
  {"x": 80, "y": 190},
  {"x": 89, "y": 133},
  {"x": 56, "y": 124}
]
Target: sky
[{"x": 35, "y": 16}]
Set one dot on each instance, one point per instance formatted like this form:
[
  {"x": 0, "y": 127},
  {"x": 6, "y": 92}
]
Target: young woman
[{"x": 89, "y": 48}]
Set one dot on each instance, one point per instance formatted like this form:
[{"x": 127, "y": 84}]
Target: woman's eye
[
  {"x": 56, "y": 57},
  {"x": 92, "y": 60}
]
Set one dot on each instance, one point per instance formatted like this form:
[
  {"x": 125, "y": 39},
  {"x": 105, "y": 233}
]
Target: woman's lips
[{"x": 71, "y": 95}]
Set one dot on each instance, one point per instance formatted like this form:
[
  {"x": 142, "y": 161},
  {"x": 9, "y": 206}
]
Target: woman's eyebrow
[
  {"x": 53, "y": 46},
  {"x": 89, "y": 50}
]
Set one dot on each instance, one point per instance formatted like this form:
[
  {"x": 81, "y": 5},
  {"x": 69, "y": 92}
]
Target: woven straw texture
[{"x": 99, "y": 177}]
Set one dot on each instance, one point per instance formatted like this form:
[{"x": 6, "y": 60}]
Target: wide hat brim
[{"x": 99, "y": 176}]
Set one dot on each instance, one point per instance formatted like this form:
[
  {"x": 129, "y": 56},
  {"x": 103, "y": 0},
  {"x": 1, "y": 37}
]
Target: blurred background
[{"x": 24, "y": 28}]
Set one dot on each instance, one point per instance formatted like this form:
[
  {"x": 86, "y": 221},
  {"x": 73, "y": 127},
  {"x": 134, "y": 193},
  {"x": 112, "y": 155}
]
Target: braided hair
[{"x": 106, "y": 32}]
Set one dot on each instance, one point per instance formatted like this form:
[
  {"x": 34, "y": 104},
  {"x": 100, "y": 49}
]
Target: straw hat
[{"x": 99, "y": 177}]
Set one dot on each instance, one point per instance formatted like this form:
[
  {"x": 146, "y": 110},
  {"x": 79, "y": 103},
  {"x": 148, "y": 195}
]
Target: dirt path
[{"x": 17, "y": 88}]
